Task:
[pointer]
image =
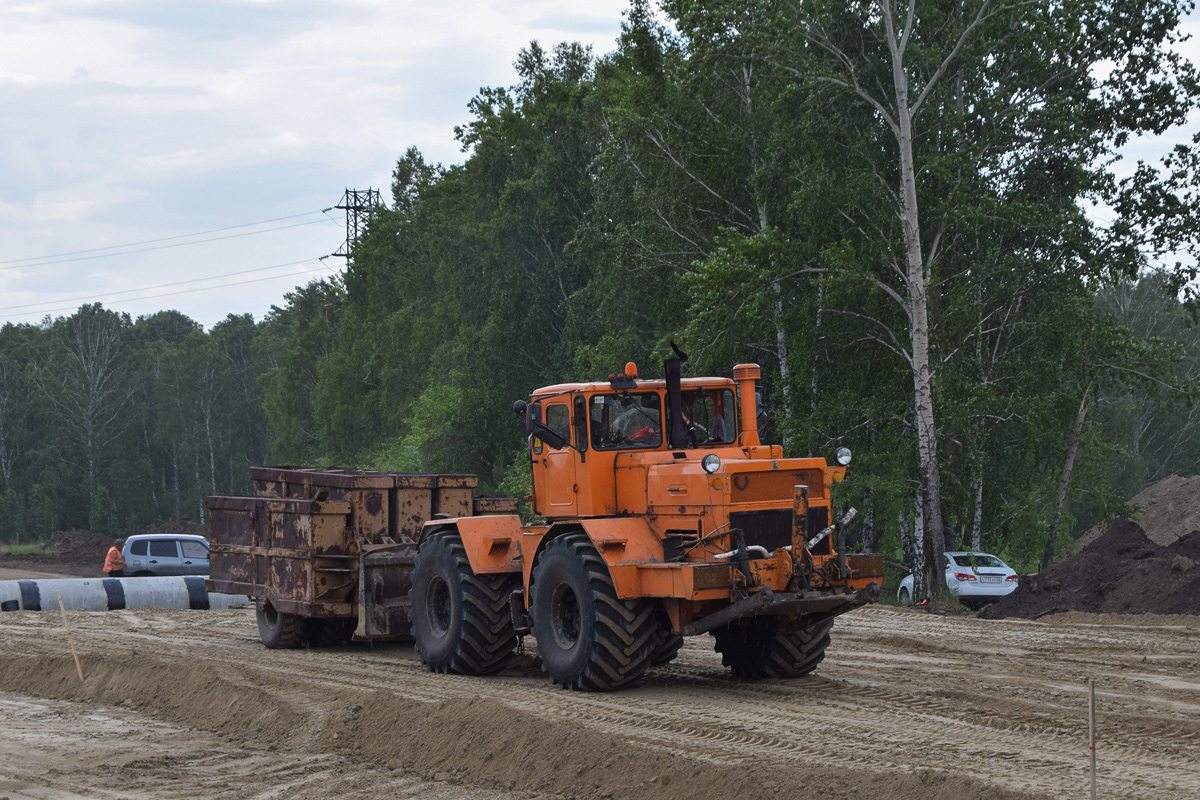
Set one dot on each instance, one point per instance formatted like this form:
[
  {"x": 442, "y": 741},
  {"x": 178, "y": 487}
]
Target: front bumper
[{"x": 814, "y": 606}]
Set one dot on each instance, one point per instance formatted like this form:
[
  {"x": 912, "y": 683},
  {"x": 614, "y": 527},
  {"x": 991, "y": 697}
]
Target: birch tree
[{"x": 82, "y": 379}]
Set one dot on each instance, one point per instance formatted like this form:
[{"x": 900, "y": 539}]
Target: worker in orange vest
[{"x": 114, "y": 562}]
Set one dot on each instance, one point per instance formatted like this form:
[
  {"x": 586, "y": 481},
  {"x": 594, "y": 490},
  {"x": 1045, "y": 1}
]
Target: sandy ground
[{"x": 179, "y": 704}]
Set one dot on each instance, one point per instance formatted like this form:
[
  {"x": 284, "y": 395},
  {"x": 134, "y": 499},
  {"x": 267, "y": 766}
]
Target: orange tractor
[{"x": 658, "y": 515}]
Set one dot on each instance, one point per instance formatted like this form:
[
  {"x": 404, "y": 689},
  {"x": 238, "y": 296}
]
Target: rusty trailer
[{"x": 329, "y": 552}]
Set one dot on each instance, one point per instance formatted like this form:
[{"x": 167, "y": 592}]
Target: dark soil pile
[
  {"x": 1168, "y": 511},
  {"x": 1121, "y": 572},
  {"x": 78, "y": 546}
]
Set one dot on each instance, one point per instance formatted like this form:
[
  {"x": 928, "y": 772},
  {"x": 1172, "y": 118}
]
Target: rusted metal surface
[
  {"x": 293, "y": 551},
  {"x": 388, "y": 506},
  {"x": 320, "y": 542},
  {"x": 384, "y": 581},
  {"x": 495, "y": 505}
]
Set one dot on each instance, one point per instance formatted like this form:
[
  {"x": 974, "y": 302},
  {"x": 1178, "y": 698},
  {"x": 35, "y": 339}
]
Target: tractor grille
[
  {"x": 769, "y": 529},
  {"x": 773, "y": 529}
]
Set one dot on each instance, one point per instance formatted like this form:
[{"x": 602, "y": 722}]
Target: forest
[{"x": 913, "y": 215}]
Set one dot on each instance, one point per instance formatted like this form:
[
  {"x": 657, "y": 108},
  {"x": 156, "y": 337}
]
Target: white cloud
[{"x": 130, "y": 120}]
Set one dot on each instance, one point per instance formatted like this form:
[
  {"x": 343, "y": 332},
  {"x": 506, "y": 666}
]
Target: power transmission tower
[{"x": 358, "y": 204}]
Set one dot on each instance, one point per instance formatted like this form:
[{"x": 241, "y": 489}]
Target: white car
[{"x": 976, "y": 578}]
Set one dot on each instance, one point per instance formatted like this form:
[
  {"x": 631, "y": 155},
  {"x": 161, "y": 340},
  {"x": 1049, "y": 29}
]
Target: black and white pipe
[{"x": 113, "y": 594}]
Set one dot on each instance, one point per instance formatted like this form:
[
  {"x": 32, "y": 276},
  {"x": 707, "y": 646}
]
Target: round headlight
[
  {"x": 842, "y": 455},
  {"x": 711, "y": 463}
]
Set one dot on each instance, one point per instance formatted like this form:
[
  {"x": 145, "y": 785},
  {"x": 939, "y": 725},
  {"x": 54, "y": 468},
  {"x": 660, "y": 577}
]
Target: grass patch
[{"x": 22, "y": 549}]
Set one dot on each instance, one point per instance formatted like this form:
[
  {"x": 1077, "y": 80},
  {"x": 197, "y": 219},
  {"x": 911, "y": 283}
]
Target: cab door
[{"x": 556, "y": 468}]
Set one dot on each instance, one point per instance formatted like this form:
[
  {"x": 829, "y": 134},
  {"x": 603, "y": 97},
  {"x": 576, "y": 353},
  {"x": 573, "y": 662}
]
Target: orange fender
[
  {"x": 619, "y": 540},
  {"x": 492, "y": 542}
]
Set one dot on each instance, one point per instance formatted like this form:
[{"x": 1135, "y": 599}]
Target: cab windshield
[
  {"x": 626, "y": 421},
  {"x": 708, "y": 415}
]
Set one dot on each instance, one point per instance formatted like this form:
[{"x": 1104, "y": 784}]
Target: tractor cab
[{"x": 585, "y": 438}]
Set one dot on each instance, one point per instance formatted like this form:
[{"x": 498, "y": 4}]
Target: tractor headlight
[
  {"x": 842, "y": 456},
  {"x": 711, "y": 463}
]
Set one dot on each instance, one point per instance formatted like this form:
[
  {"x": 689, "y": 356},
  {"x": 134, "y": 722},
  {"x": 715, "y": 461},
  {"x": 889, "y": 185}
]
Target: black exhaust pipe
[{"x": 678, "y": 435}]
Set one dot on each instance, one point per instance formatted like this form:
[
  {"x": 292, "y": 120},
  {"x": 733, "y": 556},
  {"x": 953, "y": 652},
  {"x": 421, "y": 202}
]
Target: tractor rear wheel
[
  {"x": 588, "y": 637},
  {"x": 462, "y": 622},
  {"x": 770, "y": 647},
  {"x": 277, "y": 630}
]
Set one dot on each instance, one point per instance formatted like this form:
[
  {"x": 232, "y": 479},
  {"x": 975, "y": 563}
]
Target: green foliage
[
  {"x": 709, "y": 182},
  {"x": 103, "y": 517},
  {"x": 12, "y": 517}
]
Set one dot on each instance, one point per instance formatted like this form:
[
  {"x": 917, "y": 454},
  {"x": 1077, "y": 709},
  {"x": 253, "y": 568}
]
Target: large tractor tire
[
  {"x": 587, "y": 637},
  {"x": 277, "y": 630},
  {"x": 462, "y": 622},
  {"x": 769, "y": 647}
]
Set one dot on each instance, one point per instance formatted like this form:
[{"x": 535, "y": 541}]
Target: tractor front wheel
[
  {"x": 771, "y": 647},
  {"x": 462, "y": 622},
  {"x": 587, "y": 637}
]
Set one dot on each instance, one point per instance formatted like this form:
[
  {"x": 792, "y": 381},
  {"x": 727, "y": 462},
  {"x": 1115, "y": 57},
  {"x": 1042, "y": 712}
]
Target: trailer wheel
[
  {"x": 588, "y": 638},
  {"x": 768, "y": 647},
  {"x": 278, "y": 630},
  {"x": 462, "y": 622}
]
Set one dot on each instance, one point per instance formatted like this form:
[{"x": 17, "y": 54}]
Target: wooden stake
[
  {"x": 70, "y": 638},
  {"x": 1092, "y": 730}
]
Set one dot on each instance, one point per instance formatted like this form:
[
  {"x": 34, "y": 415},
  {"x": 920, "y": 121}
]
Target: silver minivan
[{"x": 166, "y": 554}]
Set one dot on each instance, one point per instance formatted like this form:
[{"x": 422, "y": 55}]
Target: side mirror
[{"x": 534, "y": 425}]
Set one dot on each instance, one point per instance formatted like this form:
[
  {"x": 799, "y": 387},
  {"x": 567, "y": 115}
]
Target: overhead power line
[
  {"x": 62, "y": 300},
  {"x": 103, "y": 298},
  {"x": 163, "y": 246},
  {"x": 166, "y": 238}
]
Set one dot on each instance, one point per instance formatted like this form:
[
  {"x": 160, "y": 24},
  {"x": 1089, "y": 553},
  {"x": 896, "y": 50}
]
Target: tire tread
[
  {"x": 765, "y": 647},
  {"x": 487, "y": 637},
  {"x": 624, "y": 629}
]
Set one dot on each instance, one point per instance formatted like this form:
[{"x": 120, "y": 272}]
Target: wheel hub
[
  {"x": 565, "y": 616},
  {"x": 438, "y": 601}
]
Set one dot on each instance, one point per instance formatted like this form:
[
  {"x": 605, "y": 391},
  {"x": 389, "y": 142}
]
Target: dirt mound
[
  {"x": 1121, "y": 572},
  {"x": 70, "y": 546},
  {"x": 174, "y": 527},
  {"x": 1170, "y": 510}
]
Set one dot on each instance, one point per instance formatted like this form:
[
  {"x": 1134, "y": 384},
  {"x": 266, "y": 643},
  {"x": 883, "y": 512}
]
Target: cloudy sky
[
  {"x": 127, "y": 126},
  {"x": 134, "y": 121}
]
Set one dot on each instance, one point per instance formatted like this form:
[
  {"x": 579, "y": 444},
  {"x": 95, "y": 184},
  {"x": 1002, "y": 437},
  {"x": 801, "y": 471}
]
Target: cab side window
[{"x": 558, "y": 419}]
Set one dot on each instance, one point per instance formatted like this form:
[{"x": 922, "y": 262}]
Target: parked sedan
[
  {"x": 162, "y": 554},
  {"x": 976, "y": 578}
]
